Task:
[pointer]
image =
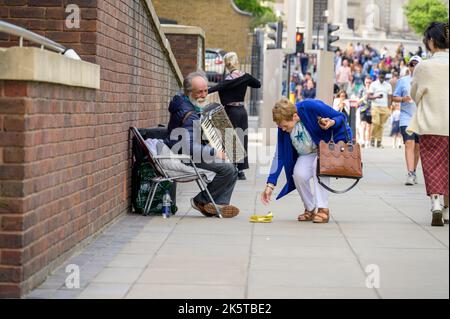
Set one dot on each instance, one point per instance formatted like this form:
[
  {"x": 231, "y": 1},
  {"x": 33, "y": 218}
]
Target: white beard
[{"x": 201, "y": 103}]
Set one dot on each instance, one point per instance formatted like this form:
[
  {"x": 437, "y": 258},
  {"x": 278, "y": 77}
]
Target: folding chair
[{"x": 162, "y": 176}]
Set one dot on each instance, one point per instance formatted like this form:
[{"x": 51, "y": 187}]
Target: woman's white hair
[{"x": 231, "y": 60}]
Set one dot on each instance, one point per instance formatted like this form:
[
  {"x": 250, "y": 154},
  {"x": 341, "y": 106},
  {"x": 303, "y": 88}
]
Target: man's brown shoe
[
  {"x": 201, "y": 208},
  {"x": 227, "y": 211}
]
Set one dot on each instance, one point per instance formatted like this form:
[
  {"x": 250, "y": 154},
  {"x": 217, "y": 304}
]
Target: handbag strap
[
  {"x": 344, "y": 123},
  {"x": 335, "y": 191}
]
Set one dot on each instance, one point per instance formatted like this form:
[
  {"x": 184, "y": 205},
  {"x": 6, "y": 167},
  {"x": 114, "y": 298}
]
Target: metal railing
[{"x": 30, "y": 36}]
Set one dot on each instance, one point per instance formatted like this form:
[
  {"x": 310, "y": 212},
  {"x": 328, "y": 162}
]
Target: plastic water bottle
[{"x": 166, "y": 201}]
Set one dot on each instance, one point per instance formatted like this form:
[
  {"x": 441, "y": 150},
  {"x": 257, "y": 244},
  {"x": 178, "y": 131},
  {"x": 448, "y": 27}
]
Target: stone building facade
[{"x": 382, "y": 23}]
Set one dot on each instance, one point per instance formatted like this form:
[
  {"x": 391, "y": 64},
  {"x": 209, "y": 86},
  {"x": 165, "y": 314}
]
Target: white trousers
[{"x": 304, "y": 171}]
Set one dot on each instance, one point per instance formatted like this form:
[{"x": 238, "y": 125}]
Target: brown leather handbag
[{"x": 339, "y": 160}]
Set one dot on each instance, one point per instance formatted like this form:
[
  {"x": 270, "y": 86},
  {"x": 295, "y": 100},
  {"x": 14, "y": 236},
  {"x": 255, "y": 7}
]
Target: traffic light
[
  {"x": 299, "y": 43},
  {"x": 330, "y": 38},
  {"x": 276, "y": 36}
]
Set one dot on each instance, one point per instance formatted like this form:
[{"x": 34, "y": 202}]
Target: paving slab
[{"x": 378, "y": 244}]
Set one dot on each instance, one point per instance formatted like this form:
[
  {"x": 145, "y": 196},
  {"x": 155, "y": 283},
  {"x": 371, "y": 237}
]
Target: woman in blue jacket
[{"x": 301, "y": 128}]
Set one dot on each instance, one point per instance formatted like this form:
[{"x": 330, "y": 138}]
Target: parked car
[{"x": 215, "y": 65}]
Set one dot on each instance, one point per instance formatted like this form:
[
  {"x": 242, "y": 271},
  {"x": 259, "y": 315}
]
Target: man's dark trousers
[{"x": 222, "y": 186}]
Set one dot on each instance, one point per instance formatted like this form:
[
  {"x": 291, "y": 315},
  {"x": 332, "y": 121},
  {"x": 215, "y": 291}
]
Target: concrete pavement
[{"x": 379, "y": 237}]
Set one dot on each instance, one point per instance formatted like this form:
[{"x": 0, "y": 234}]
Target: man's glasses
[{"x": 200, "y": 91}]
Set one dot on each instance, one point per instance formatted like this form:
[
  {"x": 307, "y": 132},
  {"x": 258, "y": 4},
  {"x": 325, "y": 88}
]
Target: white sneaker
[
  {"x": 415, "y": 178},
  {"x": 438, "y": 212},
  {"x": 410, "y": 181}
]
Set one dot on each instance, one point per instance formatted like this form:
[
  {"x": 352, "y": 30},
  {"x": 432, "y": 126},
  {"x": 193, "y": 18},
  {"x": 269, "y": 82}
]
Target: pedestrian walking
[
  {"x": 429, "y": 89},
  {"x": 395, "y": 129},
  {"x": 309, "y": 92},
  {"x": 358, "y": 80},
  {"x": 402, "y": 95},
  {"x": 341, "y": 103},
  {"x": 232, "y": 94},
  {"x": 365, "y": 112},
  {"x": 301, "y": 128},
  {"x": 380, "y": 92},
  {"x": 344, "y": 76}
]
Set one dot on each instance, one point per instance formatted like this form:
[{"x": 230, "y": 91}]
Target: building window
[{"x": 351, "y": 24}]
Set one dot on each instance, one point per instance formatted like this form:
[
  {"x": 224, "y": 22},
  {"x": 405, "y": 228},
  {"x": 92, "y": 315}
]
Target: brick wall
[
  {"x": 224, "y": 27},
  {"x": 186, "y": 50},
  {"x": 64, "y": 151}
]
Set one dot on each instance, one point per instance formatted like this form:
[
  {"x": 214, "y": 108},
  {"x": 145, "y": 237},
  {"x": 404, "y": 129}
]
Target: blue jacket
[
  {"x": 286, "y": 156},
  {"x": 179, "y": 107}
]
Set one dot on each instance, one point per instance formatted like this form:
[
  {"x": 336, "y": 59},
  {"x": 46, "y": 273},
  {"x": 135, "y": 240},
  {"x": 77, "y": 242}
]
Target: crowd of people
[
  {"x": 365, "y": 76},
  {"x": 369, "y": 78}
]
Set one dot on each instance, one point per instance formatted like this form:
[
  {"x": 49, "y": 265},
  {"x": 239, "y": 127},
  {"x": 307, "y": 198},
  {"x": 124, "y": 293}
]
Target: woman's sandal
[
  {"x": 322, "y": 216},
  {"x": 306, "y": 217}
]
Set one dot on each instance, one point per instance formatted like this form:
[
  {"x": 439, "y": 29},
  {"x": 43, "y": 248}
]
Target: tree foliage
[
  {"x": 261, "y": 14},
  {"x": 421, "y": 13}
]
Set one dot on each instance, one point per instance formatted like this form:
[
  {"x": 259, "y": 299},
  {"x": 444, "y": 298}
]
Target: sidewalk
[{"x": 382, "y": 225}]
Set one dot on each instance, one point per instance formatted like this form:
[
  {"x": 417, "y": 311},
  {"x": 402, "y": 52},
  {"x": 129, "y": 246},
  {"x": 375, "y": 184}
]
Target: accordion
[{"x": 219, "y": 131}]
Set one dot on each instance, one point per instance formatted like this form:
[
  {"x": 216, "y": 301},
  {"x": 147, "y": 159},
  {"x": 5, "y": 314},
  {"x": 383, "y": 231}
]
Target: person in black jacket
[
  {"x": 232, "y": 94},
  {"x": 185, "y": 137},
  {"x": 309, "y": 91}
]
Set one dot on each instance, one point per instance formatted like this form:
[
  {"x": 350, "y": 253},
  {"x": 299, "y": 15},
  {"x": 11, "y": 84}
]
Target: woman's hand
[
  {"x": 326, "y": 124},
  {"x": 266, "y": 195}
]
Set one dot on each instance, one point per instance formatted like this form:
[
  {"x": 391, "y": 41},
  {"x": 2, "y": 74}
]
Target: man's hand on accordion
[{"x": 221, "y": 155}]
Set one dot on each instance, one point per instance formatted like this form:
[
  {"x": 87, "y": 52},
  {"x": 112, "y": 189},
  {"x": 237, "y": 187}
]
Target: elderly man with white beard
[{"x": 185, "y": 137}]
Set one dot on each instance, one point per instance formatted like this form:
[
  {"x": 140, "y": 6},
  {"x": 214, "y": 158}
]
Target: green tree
[
  {"x": 421, "y": 13},
  {"x": 261, "y": 14}
]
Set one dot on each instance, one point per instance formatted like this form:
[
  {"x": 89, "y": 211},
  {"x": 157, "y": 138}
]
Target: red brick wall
[
  {"x": 185, "y": 48},
  {"x": 64, "y": 151}
]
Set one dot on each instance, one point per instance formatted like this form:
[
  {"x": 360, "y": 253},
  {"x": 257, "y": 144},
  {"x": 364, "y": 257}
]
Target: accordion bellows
[{"x": 221, "y": 134}]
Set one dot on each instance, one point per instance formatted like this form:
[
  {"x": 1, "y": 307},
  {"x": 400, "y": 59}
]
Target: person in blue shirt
[
  {"x": 301, "y": 127},
  {"x": 408, "y": 108}
]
